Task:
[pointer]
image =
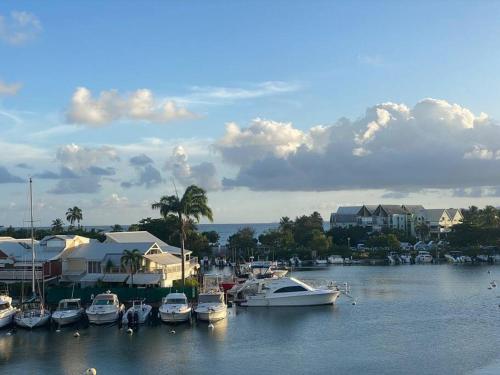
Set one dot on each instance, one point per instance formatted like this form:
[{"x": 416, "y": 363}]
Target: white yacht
[
  {"x": 105, "y": 309},
  {"x": 138, "y": 313},
  {"x": 7, "y": 311},
  {"x": 335, "y": 259},
  {"x": 68, "y": 311},
  {"x": 423, "y": 257},
  {"x": 175, "y": 308},
  {"x": 211, "y": 306},
  {"x": 284, "y": 292}
]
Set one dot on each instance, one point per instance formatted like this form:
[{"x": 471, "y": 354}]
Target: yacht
[
  {"x": 138, "y": 313},
  {"x": 286, "y": 291},
  {"x": 335, "y": 259},
  {"x": 68, "y": 311},
  {"x": 211, "y": 306},
  {"x": 175, "y": 308},
  {"x": 423, "y": 257},
  {"x": 105, "y": 309},
  {"x": 7, "y": 311},
  {"x": 33, "y": 312}
]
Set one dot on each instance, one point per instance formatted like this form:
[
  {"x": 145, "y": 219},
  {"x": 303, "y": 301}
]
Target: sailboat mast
[{"x": 32, "y": 240}]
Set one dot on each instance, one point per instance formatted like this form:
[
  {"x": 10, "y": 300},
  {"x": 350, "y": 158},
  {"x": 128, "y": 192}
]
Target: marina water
[{"x": 428, "y": 319}]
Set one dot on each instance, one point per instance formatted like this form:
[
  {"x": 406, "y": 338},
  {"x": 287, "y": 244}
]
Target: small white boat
[
  {"x": 405, "y": 258},
  {"x": 423, "y": 257},
  {"x": 295, "y": 261},
  {"x": 175, "y": 308},
  {"x": 284, "y": 292},
  {"x": 32, "y": 314},
  {"x": 105, "y": 309},
  {"x": 7, "y": 311},
  {"x": 138, "y": 313},
  {"x": 321, "y": 262},
  {"x": 68, "y": 311},
  {"x": 335, "y": 259},
  {"x": 211, "y": 306}
]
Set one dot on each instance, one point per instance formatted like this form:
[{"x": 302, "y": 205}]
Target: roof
[
  {"x": 393, "y": 209},
  {"x": 344, "y": 218},
  {"x": 348, "y": 210},
  {"x": 98, "y": 250},
  {"x": 132, "y": 237},
  {"x": 414, "y": 208},
  {"x": 453, "y": 211},
  {"x": 164, "y": 259},
  {"x": 114, "y": 277},
  {"x": 434, "y": 214},
  {"x": 91, "y": 277}
]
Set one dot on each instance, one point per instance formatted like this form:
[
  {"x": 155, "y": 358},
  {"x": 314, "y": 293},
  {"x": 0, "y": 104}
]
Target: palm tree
[
  {"x": 57, "y": 226},
  {"x": 117, "y": 228},
  {"x": 192, "y": 205},
  {"x": 131, "y": 259},
  {"x": 422, "y": 230},
  {"x": 74, "y": 214}
]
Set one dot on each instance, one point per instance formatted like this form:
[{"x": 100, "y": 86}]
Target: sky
[{"x": 275, "y": 108}]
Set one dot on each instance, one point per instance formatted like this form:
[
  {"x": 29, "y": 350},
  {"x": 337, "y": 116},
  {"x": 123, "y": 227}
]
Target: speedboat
[
  {"x": 286, "y": 291},
  {"x": 175, "y": 308},
  {"x": 321, "y": 262},
  {"x": 7, "y": 311},
  {"x": 32, "y": 314},
  {"x": 211, "y": 306},
  {"x": 138, "y": 313},
  {"x": 105, "y": 309},
  {"x": 68, "y": 311},
  {"x": 295, "y": 261},
  {"x": 335, "y": 259},
  {"x": 405, "y": 258},
  {"x": 423, "y": 257}
]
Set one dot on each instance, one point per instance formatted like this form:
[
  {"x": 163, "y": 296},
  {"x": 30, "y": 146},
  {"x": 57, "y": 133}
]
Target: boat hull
[
  {"x": 319, "y": 298},
  {"x": 143, "y": 314},
  {"x": 174, "y": 316},
  {"x": 7, "y": 318},
  {"x": 211, "y": 315},
  {"x": 102, "y": 317},
  {"x": 63, "y": 318},
  {"x": 32, "y": 320}
]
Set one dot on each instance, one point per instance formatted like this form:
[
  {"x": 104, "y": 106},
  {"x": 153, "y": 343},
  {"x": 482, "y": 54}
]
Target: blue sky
[{"x": 303, "y": 63}]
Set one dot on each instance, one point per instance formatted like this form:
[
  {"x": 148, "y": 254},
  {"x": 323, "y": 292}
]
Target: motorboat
[
  {"x": 286, "y": 291},
  {"x": 68, "y": 311},
  {"x": 105, "y": 309},
  {"x": 423, "y": 257},
  {"x": 406, "y": 258},
  {"x": 7, "y": 311},
  {"x": 138, "y": 313},
  {"x": 321, "y": 262},
  {"x": 175, "y": 308},
  {"x": 394, "y": 258},
  {"x": 335, "y": 259},
  {"x": 295, "y": 261},
  {"x": 32, "y": 314},
  {"x": 211, "y": 306}
]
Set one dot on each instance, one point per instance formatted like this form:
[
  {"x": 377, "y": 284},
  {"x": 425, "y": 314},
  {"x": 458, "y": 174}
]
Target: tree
[
  {"x": 212, "y": 237},
  {"x": 131, "y": 259},
  {"x": 57, "y": 226},
  {"x": 244, "y": 239},
  {"x": 422, "y": 230},
  {"x": 117, "y": 228},
  {"x": 192, "y": 205},
  {"x": 489, "y": 216},
  {"x": 74, "y": 214}
]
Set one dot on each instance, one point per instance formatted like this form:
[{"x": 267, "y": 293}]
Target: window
[
  {"x": 93, "y": 267},
  {"x": 289, "y": 289}
]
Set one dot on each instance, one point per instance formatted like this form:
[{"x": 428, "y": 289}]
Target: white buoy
[
  {"x": 130, "y": 331},
  {"x": 210, "y": 326},
  {"x": 58, "y": 330},
  {"x": 76, "y": 334},
  {"x": 172, "y": 332},
  {"x": 9, "y": 333},
  {"x": 490, "y": 288},
  {"x": 91, "y": 371},
  {"x": 353, "y": 303}
]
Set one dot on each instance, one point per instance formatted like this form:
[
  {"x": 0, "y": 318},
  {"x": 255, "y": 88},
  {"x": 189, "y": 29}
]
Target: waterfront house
[
  {"x": 438, "y": 220},
  {"x": 345, "y": 217},
  {"x": 456, "y": 216}
]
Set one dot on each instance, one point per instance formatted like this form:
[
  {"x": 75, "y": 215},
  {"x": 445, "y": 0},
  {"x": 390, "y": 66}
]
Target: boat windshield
[
  {"x": 69, "y": 306},
  {"x": 4, "y": 306},
  {"x": 176, "y": 301},
  {"x": 103, "y": 302},
  {"x": 210, "y": 298}
]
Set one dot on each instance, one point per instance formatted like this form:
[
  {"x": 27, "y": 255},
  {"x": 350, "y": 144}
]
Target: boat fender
[
  {"x": 91, "y": 371},
  {"x": 76, "y": 334},
  {"x": 172, "y": 332},
  {"x": 210, "y": 326},
  {"x": 130, "y": 331}
]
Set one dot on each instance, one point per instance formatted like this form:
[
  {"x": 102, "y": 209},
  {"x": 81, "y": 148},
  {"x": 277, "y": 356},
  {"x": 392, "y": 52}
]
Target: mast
[{"x": 32, "y": 241}]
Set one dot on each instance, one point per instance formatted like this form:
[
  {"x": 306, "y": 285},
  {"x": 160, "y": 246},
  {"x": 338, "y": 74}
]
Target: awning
[
  {"x": 91, "y": 277},
  {"x": 115, "y": 277},
  {"x": 145, "y": 279}
]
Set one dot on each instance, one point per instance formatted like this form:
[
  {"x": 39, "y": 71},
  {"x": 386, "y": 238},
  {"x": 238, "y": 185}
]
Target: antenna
[{"x": 175, "y": 188}]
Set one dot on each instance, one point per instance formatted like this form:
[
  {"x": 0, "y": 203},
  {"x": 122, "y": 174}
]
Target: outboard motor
[{"x": 136, "y": 319}]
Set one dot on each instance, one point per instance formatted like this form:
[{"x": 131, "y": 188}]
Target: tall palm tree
[
  {"x": 422, "y": 230},
  {"x": 192, "y": 205},
  {"x": 74, "y": 214},
  {"x": 57, "y": 226},
  {"x": 131, "y": 259}
]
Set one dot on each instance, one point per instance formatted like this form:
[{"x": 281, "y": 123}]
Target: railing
[{"x": 18, "y": 275}]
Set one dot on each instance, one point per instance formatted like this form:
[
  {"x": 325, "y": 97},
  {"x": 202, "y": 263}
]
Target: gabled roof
[
  {"x": 435, "y": 214},
  {"x": 453, "y": 211},
  {"x": 413, "y": 208},
  {"x": 97, "y": 251},
  {"x": 348, "y": 210},
  {"x": 390, "y": 209},
  {"x": 132, "y": 237}
]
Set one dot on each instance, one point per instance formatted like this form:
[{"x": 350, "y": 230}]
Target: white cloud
[
  {"x": 435, "y": 144},
  {"x": 203, "y": 174},
  {"x": 79, "y": 158},
  {"x": 19, "y": 27},
  {"x": 112, "y": 106},
  {"x": 258, "y": 90},
  {"x": 9, "y": 88}
]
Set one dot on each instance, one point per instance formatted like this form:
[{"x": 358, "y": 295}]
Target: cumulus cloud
[
  {"x": 147, "y": 174},
  {"x": 19, "y": 27},
  {"x": 80, "y": 171},
  {"x": 8, "y": 89},
  {"x": 6, "y": 177},
  {"x": 435, "y": 144},
  {"x": 203, "y": 174},
  {"x": 112, "y": 106}
]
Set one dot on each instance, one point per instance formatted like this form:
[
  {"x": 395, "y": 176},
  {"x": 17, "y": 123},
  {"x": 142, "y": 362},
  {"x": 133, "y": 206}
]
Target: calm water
[{"x": 408, "y": 319}]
